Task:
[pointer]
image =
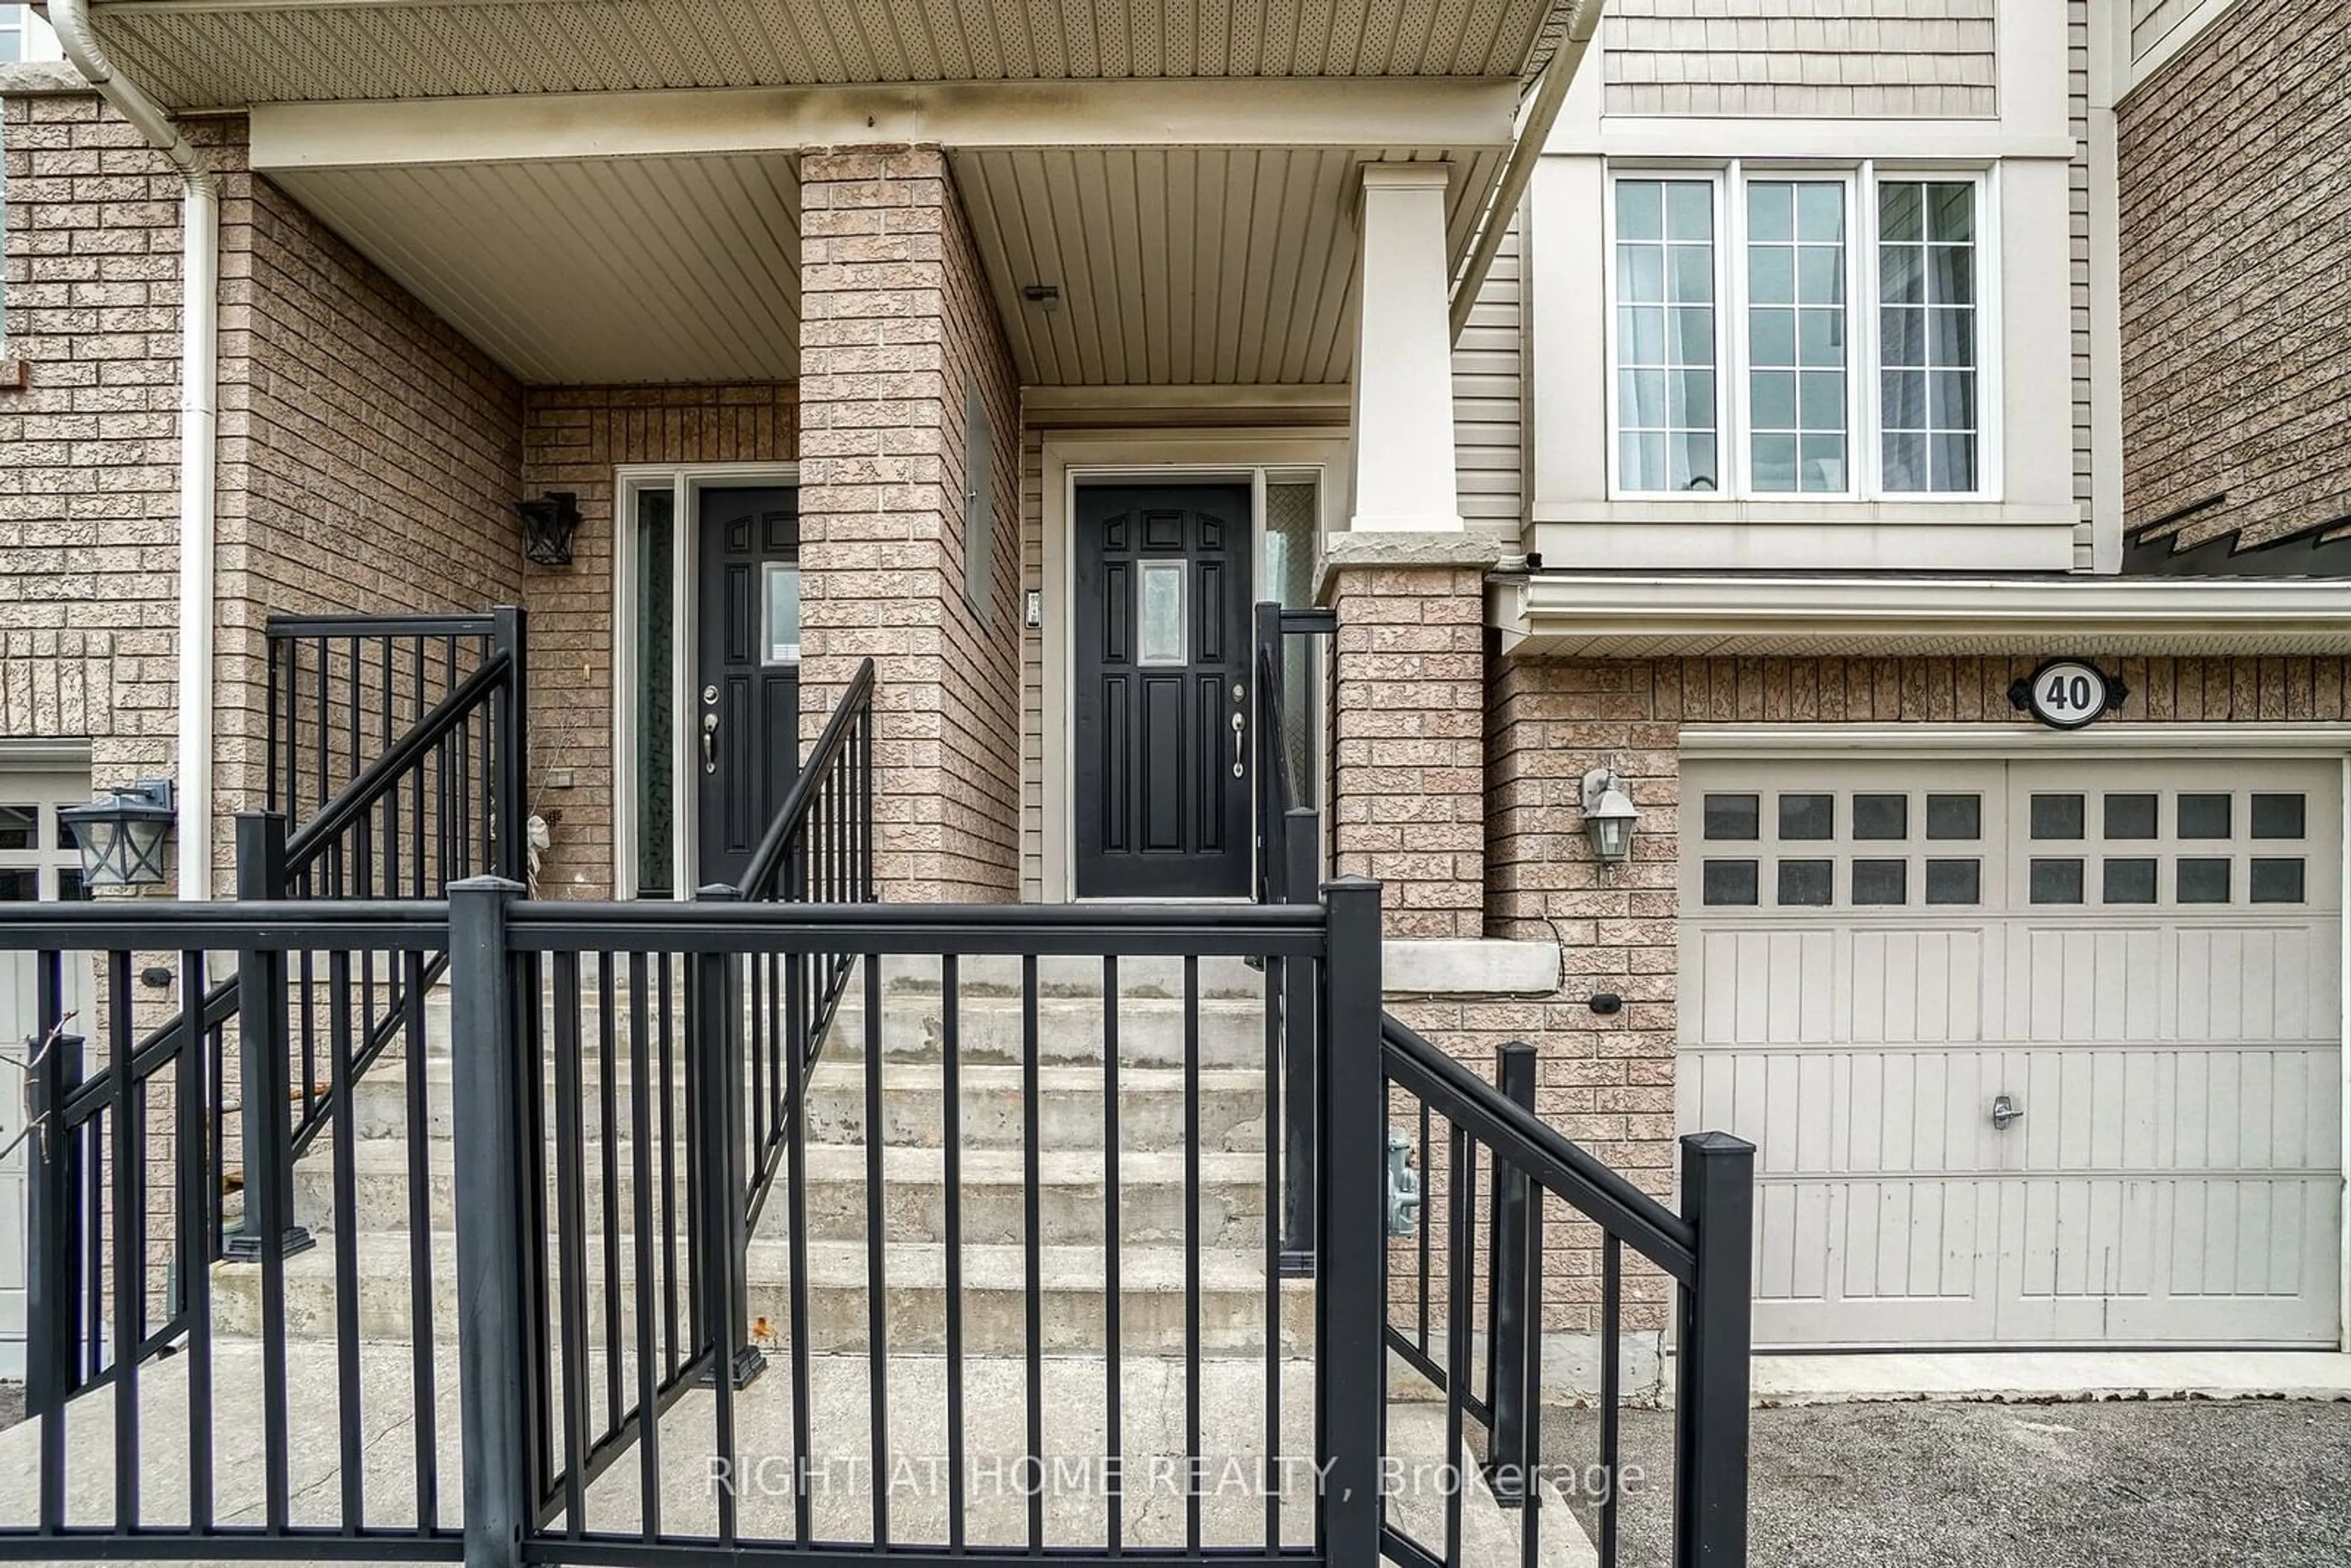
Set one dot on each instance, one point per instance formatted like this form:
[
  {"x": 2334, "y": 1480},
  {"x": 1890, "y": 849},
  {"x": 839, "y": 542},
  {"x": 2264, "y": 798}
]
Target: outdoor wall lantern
[
  {"x": 1608, "y": 817},
  {"x": 121, "y": 834},
  {"x": 548, "y": 525}
]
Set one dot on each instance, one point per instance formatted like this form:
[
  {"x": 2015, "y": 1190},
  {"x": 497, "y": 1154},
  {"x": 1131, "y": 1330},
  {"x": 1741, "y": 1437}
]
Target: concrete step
[
  {"x": 1072, "y": 1293},
  {"x": 1071, "y": 1193},
  {"x": 1070, "y": 1104}
]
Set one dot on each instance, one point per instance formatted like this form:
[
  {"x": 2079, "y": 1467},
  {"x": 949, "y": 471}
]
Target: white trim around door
[
  {"x": 686, "y": 482},
  {"x": 1075, "y": 457}
]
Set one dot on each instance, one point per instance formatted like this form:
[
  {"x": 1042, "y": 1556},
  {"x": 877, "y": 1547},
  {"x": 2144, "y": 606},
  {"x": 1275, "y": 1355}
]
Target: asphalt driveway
[{"x": 2192, "y": 1484}]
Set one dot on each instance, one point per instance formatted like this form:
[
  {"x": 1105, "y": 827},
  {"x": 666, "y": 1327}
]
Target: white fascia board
[
  {"x": 1725, "y": 612},
  {"x": 1401, "y": 112}
]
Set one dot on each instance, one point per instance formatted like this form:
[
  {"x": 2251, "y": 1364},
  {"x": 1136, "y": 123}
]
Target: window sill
[{"x": 1823, "y": 536}]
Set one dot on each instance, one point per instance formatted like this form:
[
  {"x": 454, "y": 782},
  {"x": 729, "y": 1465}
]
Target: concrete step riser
[
  {"x": 1149, "y": 1115},
  {"x": 1151, "y": 1322},
  {"x": 913, "y": 1207}
]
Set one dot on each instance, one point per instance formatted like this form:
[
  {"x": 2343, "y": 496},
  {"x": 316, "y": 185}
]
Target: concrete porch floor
[{"x": 2052, "y": 1374}]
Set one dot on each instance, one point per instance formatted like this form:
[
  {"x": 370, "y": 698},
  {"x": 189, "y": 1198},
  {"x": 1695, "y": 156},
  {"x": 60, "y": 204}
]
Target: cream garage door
[
  {"x": 2142, "y": 960},
  {"x": 37, "y": 862}
]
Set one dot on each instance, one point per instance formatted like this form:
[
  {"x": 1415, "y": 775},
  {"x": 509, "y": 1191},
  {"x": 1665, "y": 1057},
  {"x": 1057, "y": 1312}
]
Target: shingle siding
[
  {"x": 2234, "y": 177},
  {"x": 1874, "y": 58}
]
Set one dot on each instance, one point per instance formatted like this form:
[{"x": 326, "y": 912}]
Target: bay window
[{"x": 1791, "y": 333}]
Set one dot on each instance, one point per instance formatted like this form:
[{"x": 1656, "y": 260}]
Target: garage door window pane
[
  {"x": 2277, "y": 817},
  {"x": 19, "y": 827},
  {"x": 2057, "y": 881},
  {"x": 1881, "y": 881},
  {"x": 19, "y": 886},
  {"x": 1807, "y": 884},
  {"x": 1954, "y": 881},
  {"x": 1807, "y": 817},
  {"x": 1730, "y": 883},
  {"x": 2204, "y": 881},
  {"x": 69, "y": 887},
  {"x": 1955, "y": 817},
  {"x": 2277, "y": 880},
  {"x": 2057, "y": 816},
  {"x": 1876, "y": 817},
  {"x": 1734, "y": 817},
  {"x": 2204, "y": 815},
  {"x": 2130, "y": 817},
  {"x": 2130, "y": 881}
]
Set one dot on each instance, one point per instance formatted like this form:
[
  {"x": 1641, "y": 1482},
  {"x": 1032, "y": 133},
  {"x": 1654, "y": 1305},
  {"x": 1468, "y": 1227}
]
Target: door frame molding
[
  {"x": 687, "y": 480},
  {"x": 1998, "y": 739},
  {"x": 1071, "y": 458}
]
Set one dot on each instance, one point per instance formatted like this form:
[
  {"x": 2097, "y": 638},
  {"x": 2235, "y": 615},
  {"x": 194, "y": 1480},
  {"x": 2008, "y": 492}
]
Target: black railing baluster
[
  {"x": 1192, "y": 1241},
  {"x": 346, "y": 1229},
  {"x": 1113, "y": 1490},
  {"x": 1277, "y": 983},
  {"x": 877, "y": 1339},
  {"x": 640, "y": 1169},
  {"x": 569, "y": 1239},
  {"x": 1460, "y": 1177},
  {"x": 423, "y": 1379},
  {"x": 192, "y": 1253},
  {"x": 1530, "y": 1448},
  {"x": 607, "y": 1091},
  {"x": 1350, "y": 1253},
  {"x": 129, "y": 1141},
  {"x": 1032, "y": 1275},
  {"x": 796, "y": 1064},
  {"x": 53, "y": 1283},
  {"x": 1508, "y": 1310},
  {"x": 1612, "y": 1361},
  {"x": 951, "y": 1154}
]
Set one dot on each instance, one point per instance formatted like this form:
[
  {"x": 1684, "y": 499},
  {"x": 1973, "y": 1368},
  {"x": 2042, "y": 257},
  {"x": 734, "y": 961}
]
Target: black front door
[
  {"x": 1163, "y": 691},
  {"x": 747, "y": 696}
]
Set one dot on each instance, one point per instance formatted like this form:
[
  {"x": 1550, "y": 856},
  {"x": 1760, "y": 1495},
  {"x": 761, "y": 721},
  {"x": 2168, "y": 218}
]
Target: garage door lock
[{"x": 2004, "y": 1111}]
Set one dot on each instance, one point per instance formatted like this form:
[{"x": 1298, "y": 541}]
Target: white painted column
[{"x": 1404, "y": 472}]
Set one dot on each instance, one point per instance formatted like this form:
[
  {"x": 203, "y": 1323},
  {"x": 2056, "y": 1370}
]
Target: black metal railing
[
  {"x": 818, "y": 849},
  {"x": 349, "y": 701},
  {"x": 1472, "y": 1143},
  {"x": 179, "y": 1384},
  {"x": 1290, "y": 872}
]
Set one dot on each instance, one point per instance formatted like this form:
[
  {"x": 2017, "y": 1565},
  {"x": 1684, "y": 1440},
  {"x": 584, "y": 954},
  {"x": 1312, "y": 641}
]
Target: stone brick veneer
[
  {"x": 2234, "y": 176},
  {"x": 1407, "y": 723},
  {"x": 896, "y": 324}
]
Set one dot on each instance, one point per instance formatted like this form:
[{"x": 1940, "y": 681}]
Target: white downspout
[{"x": 199, "y": 422}]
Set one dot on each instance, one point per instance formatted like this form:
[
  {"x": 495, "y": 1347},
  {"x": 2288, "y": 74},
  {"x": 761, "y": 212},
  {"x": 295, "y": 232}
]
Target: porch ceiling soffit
[
  {"x": 1627, "y": 615},
  {"x": 224, "y": 53},
  {"x": 640, "y": 269},
  {"x": 532, "y": 224}
]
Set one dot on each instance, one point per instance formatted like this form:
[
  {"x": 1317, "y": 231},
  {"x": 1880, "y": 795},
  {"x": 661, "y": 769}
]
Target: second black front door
[
  {"x": 1162, "y": 704},
  {"x": 747, "y": 690}
]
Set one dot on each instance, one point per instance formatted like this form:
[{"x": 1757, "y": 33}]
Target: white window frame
[{"x": 1864, "y": 450}]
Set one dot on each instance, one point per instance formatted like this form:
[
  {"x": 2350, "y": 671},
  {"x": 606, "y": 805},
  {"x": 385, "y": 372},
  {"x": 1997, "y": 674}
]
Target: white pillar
[{"x": 1403, "y": 478}]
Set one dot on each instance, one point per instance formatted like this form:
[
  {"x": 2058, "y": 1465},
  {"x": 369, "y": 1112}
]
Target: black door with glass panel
[
  {"x": 747, "y": 684},
  {"x": 1162, "y": 704}
]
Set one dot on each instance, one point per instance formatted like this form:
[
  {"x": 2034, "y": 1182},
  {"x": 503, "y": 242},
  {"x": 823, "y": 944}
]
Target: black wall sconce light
[
  {"x": 121, "y": 834},
  {"x": 548, "y": 527}
]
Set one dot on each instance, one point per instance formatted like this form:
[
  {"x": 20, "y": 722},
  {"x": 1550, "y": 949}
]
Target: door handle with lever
[
  {"x": 710, "y": 743},
  {"x": 2005, "y": 1110}
]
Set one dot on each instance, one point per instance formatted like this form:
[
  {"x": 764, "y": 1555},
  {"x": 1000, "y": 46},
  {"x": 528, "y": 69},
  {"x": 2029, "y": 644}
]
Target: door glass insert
[
  {"x": 780, "y": 592},
  {"x": 1294, "y": 527},
  {"x": 656, "y": 573},
  {"x": 1954, "y": 881},
  {"x": 1159, "y": 613},
  {"x": 2277, "y": 879},
  {"x": 2277, "y": 817},
  {"x": 2204, "y": 815}
]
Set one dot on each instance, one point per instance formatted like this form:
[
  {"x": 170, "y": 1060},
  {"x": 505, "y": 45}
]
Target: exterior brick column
[
  {"x": 1408, "y": 722},
  {"x": 897, "y": 326}
]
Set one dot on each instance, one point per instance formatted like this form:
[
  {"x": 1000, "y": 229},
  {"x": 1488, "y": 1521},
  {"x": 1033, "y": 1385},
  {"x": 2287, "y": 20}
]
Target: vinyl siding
[{"x": 1489, "y": 403}]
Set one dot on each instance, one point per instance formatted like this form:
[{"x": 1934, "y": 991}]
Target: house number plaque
[{"x": 2068, "y": 694}]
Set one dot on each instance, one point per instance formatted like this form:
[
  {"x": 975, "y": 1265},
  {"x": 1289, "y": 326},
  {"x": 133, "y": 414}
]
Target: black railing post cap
[
  {"x": 1352, "y": 884},
  {"x": 487, "y": 885},
  {"x": 717, "y": 892},
  {"x": 1716, "y": 1144}
]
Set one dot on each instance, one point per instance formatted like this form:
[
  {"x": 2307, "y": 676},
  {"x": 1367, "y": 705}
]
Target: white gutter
[
  {"x": 199, "y": 422},
  {"x": 1518, "y": 168}
]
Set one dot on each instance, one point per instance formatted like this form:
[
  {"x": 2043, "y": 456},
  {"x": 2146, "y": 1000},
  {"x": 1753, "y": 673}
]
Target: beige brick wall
[
  {"x": 1407, "y": 720},
  {"x": 574, "y": 438},
  {"x": 897, "y": 322},
  {"x": 89, "y": 450},
  {"x": 2234, "y": 176},
  {"x": 1813, "y": 57}
]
